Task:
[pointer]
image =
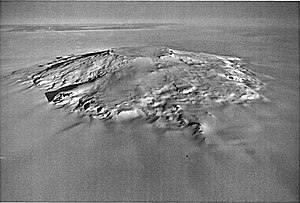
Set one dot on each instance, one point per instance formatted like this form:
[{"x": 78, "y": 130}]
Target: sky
[{"x": 134, "y": 12}]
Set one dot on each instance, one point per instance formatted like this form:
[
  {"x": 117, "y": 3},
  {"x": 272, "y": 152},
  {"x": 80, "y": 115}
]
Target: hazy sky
[{"x": 106, "y": 12}]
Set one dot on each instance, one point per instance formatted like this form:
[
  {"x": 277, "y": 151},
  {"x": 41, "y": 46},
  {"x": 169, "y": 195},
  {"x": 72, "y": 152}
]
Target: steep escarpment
[{"x": 163, "y": 86}]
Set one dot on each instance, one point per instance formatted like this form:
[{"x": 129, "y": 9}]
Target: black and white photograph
[{"x": 149, "y": 101}]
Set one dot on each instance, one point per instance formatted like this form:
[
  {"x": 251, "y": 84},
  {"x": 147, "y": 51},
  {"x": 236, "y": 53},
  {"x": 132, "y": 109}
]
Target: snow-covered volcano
[{"x": 170, "y": 88}]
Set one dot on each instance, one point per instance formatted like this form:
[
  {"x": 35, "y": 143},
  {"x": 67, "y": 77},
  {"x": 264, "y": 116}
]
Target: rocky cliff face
[{"x": 163, "y": 86}]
